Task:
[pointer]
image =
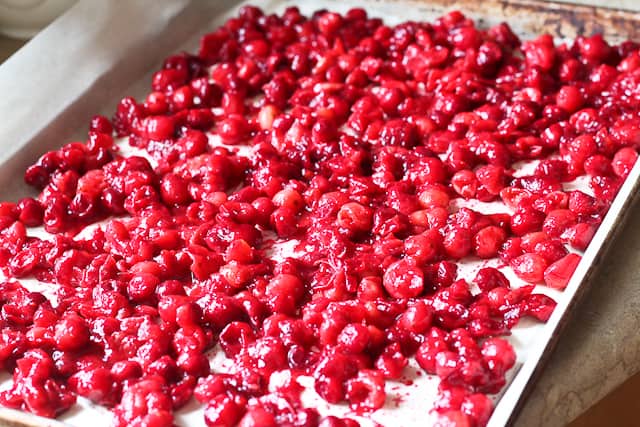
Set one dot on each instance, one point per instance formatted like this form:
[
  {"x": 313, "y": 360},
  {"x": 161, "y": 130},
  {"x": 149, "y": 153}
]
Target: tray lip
[{"x": 623, "y": 205}]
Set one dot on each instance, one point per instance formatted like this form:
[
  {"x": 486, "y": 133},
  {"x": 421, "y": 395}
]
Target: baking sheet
[{"x": 110, "y": 49}]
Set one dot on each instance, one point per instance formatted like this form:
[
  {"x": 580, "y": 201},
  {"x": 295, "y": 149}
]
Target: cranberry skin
[
  {"x": 424, "y": 247},
  {"x": 526, "y": 221},
  {"x": 283, "y": 292},
  {"x": 557, "y": 221},
  {"x": 558, "y": 274},
  {"x": 540, "y": 52},
  {"x": 457, "y": 242},
  {"x": 623, "y": 161},
  {"x": 142, "y": 286},
  {"x": 391, "y": 362},
  {"x": 479, "y": 407},
  {"x": 398, "y": 132},
  {"x": 257, "y": 417},
  {"x": 417, "y": 318},
  {"x": 366, "y": 392},
  {"x": 488, "y": 241},
  {"x": 289, "y": 198},
  {"x": 355, "y": 217},
  {"x": 434, "y": 197},
  {"x": 453, "y": 418},
  {"x": 174, "y": 190},
  {"x": 330, "y": 389},
  {"x": 223, "y": 411},
  {"x": 100, "y": 124},
  {"x": 283, "y": 220},
  {"x": 499, "y": 355},
  {"x": 31, "y": 212},
  {"x": 579, "y": 236},
  {"x": 158, "y": 127},
  {"x": 569, "y": 98},
  {"x": 234, "y": 129},
  {"x": 551, "y": 250},
  {"x": 428, "y": 350},
  {"x": 96, "y": 385},
  {"x": 488, "y": 278},
  {"x": 353, "y": 339},
  {"x": 465, "y": 183},
  {"x": 529, "y": 267},
  {"x": 441, "y": 274},
  {"x": 71, "y": 333},
  {"x": 403, "y": 279},
  {"x": 594, "y": 48},
  {"x": 125, "y": 370}
]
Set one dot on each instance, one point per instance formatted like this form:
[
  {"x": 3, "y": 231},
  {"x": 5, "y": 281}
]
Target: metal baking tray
[{"x": 99, "y": 52}]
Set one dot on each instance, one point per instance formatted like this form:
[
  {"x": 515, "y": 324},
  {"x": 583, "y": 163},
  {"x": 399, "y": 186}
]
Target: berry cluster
[{"x": 366, "y": 146}]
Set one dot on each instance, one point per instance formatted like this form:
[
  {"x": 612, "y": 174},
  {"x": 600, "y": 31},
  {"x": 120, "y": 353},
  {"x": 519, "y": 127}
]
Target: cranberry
[
  {"x": 257, "y": 417},
  {"x": 488, "y": 241},
  {"x": 365, "y": 392},
  {"x": 283, "y": 292},
  {"x": 31, "y": 212},
  {"x": 526, "y": 221},
  {"x": 557, "y": 275},
  {"x": 355, "y": 217},
  {"x": 391, "y": 362},
  {"x": 403, "y": 279},
  {"x": 489, "y": 278},
  {"x": 223, "y": 411},
  {"x": 569, "y": 98},
  {"x": 100, "y": 124},
  {"x": 499, "y": 355},
  {"x": 96, "y": 385},
  {"x": 529, "y": 267},
  {"x": 479, "y": 407},
  {"x": 71, "y": 333},
  {"x": 457, "y": 242},
  {"x": 354, "y": 338},
  {"x": 158, "y": 127},
  {"x": 233, "y": 129},
  {"x": 623, "y": 161},
  {"x": 424, "y": 247},
  {"x": 434, "y": 197}
]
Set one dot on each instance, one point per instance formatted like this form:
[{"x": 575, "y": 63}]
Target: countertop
[{"x": 600, "y": 347}]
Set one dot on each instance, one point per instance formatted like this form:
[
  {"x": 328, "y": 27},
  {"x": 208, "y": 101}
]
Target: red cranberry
[
  {"x": 100, "y": 124},
  {"x": 488, "y": 241},
  {"x": 366, "y": 392},
  {"x": 71, "y": 333},
  {"x": 557, "y": 275},
  {"x": 223, "y": 411},
  {"x": 403, "y": 279},
  {"x": 529, "y": 267},
  {"x": 158, "y": 127}
]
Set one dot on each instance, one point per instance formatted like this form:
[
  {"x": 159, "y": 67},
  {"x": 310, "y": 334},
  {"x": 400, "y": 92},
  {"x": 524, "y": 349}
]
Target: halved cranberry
[
  {"x": 529, "y": 267},
  {"x": 557, "y": 275},
  {"x": 366, "y": 392}
]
